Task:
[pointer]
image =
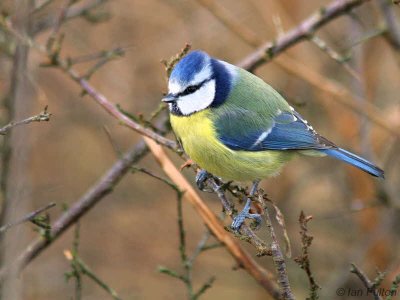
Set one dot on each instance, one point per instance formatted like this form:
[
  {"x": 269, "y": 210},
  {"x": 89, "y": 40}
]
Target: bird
[{"x": 235, "y": 126}]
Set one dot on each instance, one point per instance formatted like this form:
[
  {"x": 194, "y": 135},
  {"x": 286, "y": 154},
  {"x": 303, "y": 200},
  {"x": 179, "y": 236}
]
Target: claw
[
  {"x": 201, "y": 181},
  {"x": 245, "y": 213}
]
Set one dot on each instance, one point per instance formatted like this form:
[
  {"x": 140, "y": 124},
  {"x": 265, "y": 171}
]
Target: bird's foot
[
  {"x": 245, "y": 214},
  {"x": 201, "y": 181}
]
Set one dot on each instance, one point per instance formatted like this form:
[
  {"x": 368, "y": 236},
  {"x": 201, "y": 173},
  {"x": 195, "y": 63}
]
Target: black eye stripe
[{"x": 193, "y": 88}]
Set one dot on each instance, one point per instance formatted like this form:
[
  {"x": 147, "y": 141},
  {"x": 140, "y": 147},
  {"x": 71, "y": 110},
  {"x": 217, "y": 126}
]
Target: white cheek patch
[{"x": 199, "y": 100}]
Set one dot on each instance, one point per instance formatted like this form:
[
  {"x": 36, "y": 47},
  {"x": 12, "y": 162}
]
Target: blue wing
[{"x": 287, "y": 131}]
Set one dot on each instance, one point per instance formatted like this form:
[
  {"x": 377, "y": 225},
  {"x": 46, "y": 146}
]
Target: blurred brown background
[{"x": 134, "y": 230}]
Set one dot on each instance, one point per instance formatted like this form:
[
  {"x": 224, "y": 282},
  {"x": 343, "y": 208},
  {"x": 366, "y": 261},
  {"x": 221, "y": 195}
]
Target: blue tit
[{"x": 236, "y": 126}]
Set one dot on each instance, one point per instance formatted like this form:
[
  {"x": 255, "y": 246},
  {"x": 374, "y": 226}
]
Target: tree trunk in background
[{"x": 15, "y": 182}]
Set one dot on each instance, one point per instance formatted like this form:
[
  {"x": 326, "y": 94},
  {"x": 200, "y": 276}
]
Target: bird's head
[{"x": 197, "y": 82}]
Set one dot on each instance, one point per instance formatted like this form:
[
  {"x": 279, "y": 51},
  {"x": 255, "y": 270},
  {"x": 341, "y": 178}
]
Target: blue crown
[{"x": 189, "y": 66}]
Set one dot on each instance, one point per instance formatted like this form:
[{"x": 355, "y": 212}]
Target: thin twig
[
  {"x": 85, "y": 270},
  {"x": 118, "y": 51},
  {"x": 73, "y": 12},
  {"x": 71, "y": 256},
  {"x": 59, "y": 21},
  {"x": 43, "y": 116},
  {"x": 341, "y": 60},
  {"x": 277, "y": 256},
  {"x": 304, "y": 259},
  {"x": 28, "y": 217},
  {"x": 365, "y": 280}
]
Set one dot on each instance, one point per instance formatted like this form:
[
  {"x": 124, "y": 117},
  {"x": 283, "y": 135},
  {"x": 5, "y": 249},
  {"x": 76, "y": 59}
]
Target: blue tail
[{"x": 355, "y": 160}]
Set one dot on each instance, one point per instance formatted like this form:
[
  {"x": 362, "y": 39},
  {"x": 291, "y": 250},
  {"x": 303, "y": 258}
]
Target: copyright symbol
[{"x": 340, "y": 291}]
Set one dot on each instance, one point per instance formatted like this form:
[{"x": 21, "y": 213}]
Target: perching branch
[{"x": 43, "y": 116}]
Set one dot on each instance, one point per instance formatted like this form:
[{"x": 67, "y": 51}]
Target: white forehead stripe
[
  {"x": 198, "y": 100},
  {"x": 204, "y": 74}
]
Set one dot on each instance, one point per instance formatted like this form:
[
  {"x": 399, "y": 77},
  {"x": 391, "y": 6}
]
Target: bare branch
[
  {"x": 301, "y": 32},
  {"x": 43, "y": 116}
]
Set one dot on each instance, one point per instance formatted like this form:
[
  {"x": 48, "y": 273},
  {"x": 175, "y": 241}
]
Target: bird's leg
[
  {"x": 201, "y": 180},
  {"x": 245, "y": 213}
]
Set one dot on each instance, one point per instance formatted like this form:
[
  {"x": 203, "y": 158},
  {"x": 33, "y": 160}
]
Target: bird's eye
[{"x": 191, "y": 89}]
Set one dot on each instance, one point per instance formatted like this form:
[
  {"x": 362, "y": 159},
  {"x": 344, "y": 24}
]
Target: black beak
[{"x": 169, "y": 98}]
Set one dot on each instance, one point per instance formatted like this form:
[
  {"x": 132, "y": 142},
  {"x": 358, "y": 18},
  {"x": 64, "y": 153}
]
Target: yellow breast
[{"x": 200, "y": 142}]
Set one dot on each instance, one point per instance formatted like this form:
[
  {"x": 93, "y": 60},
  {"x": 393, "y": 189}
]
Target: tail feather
[{"x": 355, "y": 160}]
